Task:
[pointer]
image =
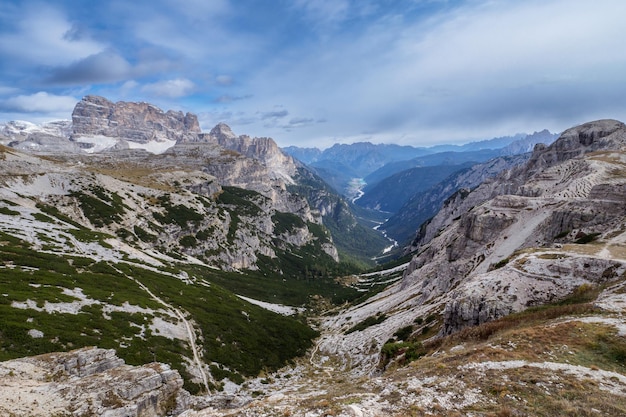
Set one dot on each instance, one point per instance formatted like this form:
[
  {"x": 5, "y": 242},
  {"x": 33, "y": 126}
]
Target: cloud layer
[{"x": 317, "y": 72}]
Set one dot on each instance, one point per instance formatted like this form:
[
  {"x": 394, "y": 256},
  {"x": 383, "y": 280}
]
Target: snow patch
[
  {"x": 99, "y": 142},
  {"x": 276, "y": 308},
  {"x": 156, "y": 147}
]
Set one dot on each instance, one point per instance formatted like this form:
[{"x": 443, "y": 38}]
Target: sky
[{"x": 313, "y": 73}]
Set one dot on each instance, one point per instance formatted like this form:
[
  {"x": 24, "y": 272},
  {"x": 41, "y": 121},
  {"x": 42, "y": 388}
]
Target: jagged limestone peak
[{"x": 222, "y": 130}]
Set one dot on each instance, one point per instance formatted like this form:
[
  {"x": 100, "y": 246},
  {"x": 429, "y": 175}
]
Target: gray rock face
[
  {"x": 577, "y": 141},
  {"x": 279, "y": 164},
  {"x": 569, "y": 190},
  {"x": 133, "y": 122},
  {"x": 403, "y": 225},
  {"x": 44, "y": 143},
  {"x": 93, "y": 381}
]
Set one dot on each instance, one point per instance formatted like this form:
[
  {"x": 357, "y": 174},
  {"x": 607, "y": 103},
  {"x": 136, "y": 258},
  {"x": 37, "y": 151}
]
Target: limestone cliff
[
  {"x": 279, "y": 164},
  {"x": 89, "y": 382},
  {"x": 141, "y": 123}
]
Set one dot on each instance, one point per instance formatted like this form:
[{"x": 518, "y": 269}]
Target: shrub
[
  {"x": 404, "y": 333},
  {"x": 368, "y": 322}
]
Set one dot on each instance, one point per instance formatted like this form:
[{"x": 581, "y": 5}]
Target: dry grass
[
  {"x": 617, "y": 251},
  {"x": 531, "y": 391},
  {"x": 136, "y": 175},
  {"x": 585, "y": 249}
]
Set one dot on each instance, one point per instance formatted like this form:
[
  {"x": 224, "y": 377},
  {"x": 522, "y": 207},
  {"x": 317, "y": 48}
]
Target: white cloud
[
  {"x": 476, "y": 71},
  {"x": 44, "y": 36},
  {"x": 40, "y": 102},
  {"x": 6, "y": 90},
  {"x": 324, "y": 12},
  {"x": 170, "y": 88}
]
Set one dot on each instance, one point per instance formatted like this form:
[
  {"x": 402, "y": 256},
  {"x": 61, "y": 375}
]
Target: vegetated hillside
[
  {"x": 421, "y": 206},
  {"x": 354, "y": 236},
  {"x": 141, "y": 266},
  {"x": 548, "y": 234},
  {"x": 169, "y": 257},
  {"x": 391, "y": 193},
  {"x": 139, "y": 140},
  {"x": 149, "y": 252}
]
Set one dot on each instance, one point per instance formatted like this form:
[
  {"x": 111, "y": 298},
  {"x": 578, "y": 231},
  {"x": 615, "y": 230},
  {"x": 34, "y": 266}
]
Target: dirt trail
[{"x": 191, "y": 335}]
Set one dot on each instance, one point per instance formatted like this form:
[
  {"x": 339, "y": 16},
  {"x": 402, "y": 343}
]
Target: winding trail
[{"x": 191, "y": 335}]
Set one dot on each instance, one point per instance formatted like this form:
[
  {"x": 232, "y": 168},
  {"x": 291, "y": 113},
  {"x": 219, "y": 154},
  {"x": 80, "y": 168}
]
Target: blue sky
[{"x": 318, "y": 72}]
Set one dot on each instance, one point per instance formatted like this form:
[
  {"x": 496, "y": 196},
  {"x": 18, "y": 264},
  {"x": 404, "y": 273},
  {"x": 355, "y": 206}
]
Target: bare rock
[
  {"x": 133, "y": 122},
  {"x": 88, "y": 382}
]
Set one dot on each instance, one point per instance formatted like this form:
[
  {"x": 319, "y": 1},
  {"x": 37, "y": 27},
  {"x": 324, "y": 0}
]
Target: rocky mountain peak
[
  {"x": 263, "y": 149},
  {"x": 604, "y": 134},
  {"x": 222, "y": 130},
  {"x": 139, "y": 123}
]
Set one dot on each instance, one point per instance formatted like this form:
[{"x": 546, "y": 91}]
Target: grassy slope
[{"x": 244, "y": 343}]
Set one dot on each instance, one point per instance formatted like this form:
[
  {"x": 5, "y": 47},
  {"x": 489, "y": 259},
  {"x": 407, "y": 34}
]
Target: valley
[{"x": 150, "y": 269}]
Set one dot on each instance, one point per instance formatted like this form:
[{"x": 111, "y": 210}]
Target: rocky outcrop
[
  {"x": 404, "y": 225},
  {"x": 48, "y": 138},
  {"x": 279, "y": 164},
  {"x": 528, "y": 143},
  {"x": 561, "y": 195},
  {"x": 577, "y": 141},
  {"x": 89, "y": 382},
  {"x": 141, "y": 123},
  {"x": 526, "y": 281}
]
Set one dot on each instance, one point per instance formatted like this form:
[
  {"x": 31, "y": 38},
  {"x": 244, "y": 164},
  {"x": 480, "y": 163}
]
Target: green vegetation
[
  {"x": 286, "y": 222},
  {"x": 587, "y": 238},
  {"x": 368, "y": 322},
  {"x": 178, "y": 214},
  {"x": 501, "y": 263},
  {"x": 410, "y": 350},
  {"x": 404, "y": 332},
  {"x": 243, "y": 338},
  {"x": 562, "y": 234},
  {"x": 144, "y": 235},
  {"x": 284, "y": 280},
  {"x": 54, "y": 212},
  {"x": 100, "y": 207},
  {"x": 43, "y": 218},
  {"x": 188, "y": 241},
  {"x": 245, "y": 201},
  {"x": 354, "y": 237},
  {"x": 8, "y": 211}
]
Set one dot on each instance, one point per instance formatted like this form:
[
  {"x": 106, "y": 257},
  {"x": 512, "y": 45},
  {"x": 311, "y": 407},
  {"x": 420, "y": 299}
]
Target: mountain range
[{"x": 151, "y": 269}]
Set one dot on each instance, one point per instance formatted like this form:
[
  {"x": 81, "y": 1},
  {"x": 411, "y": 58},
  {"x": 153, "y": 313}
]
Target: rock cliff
[
  {"x": 94, "y": 117},
  {"x": 279, "y": 164},
  {"x": 89, "y": 382},
  {"x": 566, "y": 191}
]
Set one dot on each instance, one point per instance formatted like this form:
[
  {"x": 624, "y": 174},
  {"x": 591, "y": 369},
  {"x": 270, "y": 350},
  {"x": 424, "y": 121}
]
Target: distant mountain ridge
[{"x": 339, "y": 164}]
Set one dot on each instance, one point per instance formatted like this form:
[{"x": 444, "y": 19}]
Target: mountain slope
[
  {"x": 530, "y": 236},
  {"x": 148, "y": 253},
  {"x": 436, "y": 159},
  {"x": 421, "y": 206},
  {"x": 391, "y": 193}
]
